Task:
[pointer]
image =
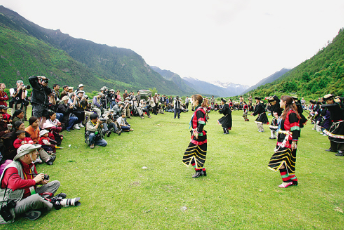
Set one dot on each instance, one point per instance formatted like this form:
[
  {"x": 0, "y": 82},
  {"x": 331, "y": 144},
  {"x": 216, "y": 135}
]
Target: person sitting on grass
[
  {"x": 94, "y": 132},
  {"x": 21, "y": 195},
  {"x": 33, "y": 130},
  {"x": 47, "y": 143},
  {"x": 21, "y": 139},
  {"x": 124, "y": 124},
  {"x": 18, "y": 115},
  {"x": 5, "y": 115}
]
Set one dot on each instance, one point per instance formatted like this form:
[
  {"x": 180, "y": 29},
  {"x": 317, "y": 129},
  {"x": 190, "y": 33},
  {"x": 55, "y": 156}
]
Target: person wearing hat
[
  {"x": 6, "y": 116},
  {"x": 260, "y": 111},
  {"x": 226, "y": 120},
  {"x": 19, "y": 182},
  {"x": 3, "y": 126},
  {"x": 276, "y": 111},
  {"x": 48, "y": 144},
  {"x": 284, "y": 157},
  {"x": 3, "y": 95},
  {"x": 336, "y": 131},
  {"x": 94, "y": 135}
]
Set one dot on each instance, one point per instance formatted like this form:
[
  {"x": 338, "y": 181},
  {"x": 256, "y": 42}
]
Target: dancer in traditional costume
[
  {"x": 276, "y": 111},
  {"x": 245, "y": 111},
  {"x": 226, "y": 120},
  {"x": 303, "y": 119},
  {"x": 284, "y": 158},
  {"x": 196, "y": 152},
  {"x": 336, "y": 132},
  {"x": 260, "y": 111}
]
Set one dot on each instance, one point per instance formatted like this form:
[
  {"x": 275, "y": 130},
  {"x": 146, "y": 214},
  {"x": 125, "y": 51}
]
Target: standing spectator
[
  {"x": 187, "y": 102},
  {"x": 156, "y": 102},
  {"x": 19, "y": 95},
  {"x": 3, "y": 95},
  {"x": 177, "y": 107},
  {"x": 97, "y": 104},
  {"x": 40, "y": 99},
  {"x": 125, "y": 94},
  {"x": 212, "y": 102},
  {"x": 112, "y": 98}
]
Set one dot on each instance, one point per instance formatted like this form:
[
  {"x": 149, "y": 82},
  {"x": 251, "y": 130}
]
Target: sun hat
[{"x": 25, "y": 149}]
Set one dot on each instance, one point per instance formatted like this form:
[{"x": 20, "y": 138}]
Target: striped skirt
[
  {"x": 283, "y": 155},
  {"x": 195, "y": 154}
]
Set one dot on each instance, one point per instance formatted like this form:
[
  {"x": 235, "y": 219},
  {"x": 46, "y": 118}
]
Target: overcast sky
[{"x": 237, "y": 41}]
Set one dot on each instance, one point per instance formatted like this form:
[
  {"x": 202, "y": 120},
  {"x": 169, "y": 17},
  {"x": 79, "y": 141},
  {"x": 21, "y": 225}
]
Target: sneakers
[
  {"x": 340, "y": 153},
  {"x": 81, "y": 125},
  {"x": 108, "y": 133},
  {"x": 32, "y": 215},
  {"x": 92, "y": 146},
  {"x": 76, "y": 126},
  {"x": 38, "y": 160},
  {"x": 197, "y": 174}
]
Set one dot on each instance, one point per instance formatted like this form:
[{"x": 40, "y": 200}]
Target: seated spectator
[
  {"x": 123, "y": 123},
  {"x": 21, "y": 139},
  {"x": 33, "y": 130},
  {"x": 3, "y": 126},
  {"x": 9, "y": 151},
  {"x": 3, "y": 95},
  {"x": 94, "y": 133},
  {"x": 6, "y": 117},
  {"x": 53, "y": 134},
  {"x": 144, "y": 108},
  {"x": 111, "y": 122},
  {"x": 18, "y": 115},
  {"x": 68, "y": 119},
  {"x": 56, "y": 125},
  {"x": 20, "y": 179},
  {"x": 47, "y": 143}
]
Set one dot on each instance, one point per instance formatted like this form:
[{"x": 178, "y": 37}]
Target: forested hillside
[
  {"x": 115, "y": 67},
  {"x": 315, "y": 77}
]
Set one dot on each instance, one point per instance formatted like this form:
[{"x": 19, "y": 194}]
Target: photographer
[
  {"x": 20, "y": 193},
  {"x": 19, "y": 97},
  {"x": 94, "y": 132},
  {"x": 66, "y": 109},
  {"x": 40, "y": 97},
  {"x": 96, "y": 104}
]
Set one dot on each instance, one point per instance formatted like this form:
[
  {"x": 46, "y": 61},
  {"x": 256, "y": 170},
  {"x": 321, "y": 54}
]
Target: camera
[
  {"x": 103, "y": 120},
  {"x": 5, "y": 211},
  {"x": 26, "y": 87},
  {"x": 45, "y": 80},
  {"x": 46, "y": 177}
]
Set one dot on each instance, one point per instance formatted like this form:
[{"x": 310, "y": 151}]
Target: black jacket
[{"x": 39, "y": 92}]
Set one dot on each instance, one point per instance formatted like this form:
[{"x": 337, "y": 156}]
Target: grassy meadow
[{"x": 239, "y": 192}]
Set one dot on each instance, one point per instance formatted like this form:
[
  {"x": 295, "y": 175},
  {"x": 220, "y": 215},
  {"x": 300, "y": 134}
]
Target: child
[
  {"x": 53, "y": 134},
  {"x": 21, "y": 139},
  {"x": 123, "y": 123},
  {"x": 47, "y": 144}
]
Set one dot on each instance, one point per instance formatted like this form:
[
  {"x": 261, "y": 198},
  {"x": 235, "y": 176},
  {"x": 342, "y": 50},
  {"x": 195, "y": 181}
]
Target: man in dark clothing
[
  {"x": 260, "y": 111},
  {"x": 40, "y": 97},
  {"x": 226, "y": 120}
]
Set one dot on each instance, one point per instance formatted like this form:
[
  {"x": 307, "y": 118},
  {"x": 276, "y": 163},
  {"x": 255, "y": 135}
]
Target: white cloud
[{"x": 236, "y": 41}]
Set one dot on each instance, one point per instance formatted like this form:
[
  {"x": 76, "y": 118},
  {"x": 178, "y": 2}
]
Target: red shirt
[
  {"x": 15, "y": 182},
  {"x": 3, "y": 98},
  {"x": 19, "y": 142}
]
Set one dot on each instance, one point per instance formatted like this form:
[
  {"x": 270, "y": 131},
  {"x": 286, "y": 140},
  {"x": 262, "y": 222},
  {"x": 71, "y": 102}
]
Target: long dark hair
[{"x": 289, "y": 105}]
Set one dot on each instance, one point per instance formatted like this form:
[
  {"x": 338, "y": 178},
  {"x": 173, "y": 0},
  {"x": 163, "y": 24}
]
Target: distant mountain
[
  {"x": 114, "y": 67},
  {"x": 175, "y": 78},
  {"x": 225, "y": 90},
  {"x": 269, "y": 79},
  {"x": 320, "y": 75}
]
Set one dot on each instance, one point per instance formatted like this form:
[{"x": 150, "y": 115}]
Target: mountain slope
[
  {"x": 122, "y": 68},
  {"x": 269, "y": 79},
  {"x": 315, "y": 77},
  {"x": 175, "y": 78}
]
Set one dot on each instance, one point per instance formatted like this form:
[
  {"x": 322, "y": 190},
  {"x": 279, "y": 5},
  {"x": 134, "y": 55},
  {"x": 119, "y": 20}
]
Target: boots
[
  {"x": 225, "y": 131},
  {"x": 197, "y": 174}
]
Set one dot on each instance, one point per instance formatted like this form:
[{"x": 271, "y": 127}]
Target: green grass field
[{"x": 239, "y": 192}]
